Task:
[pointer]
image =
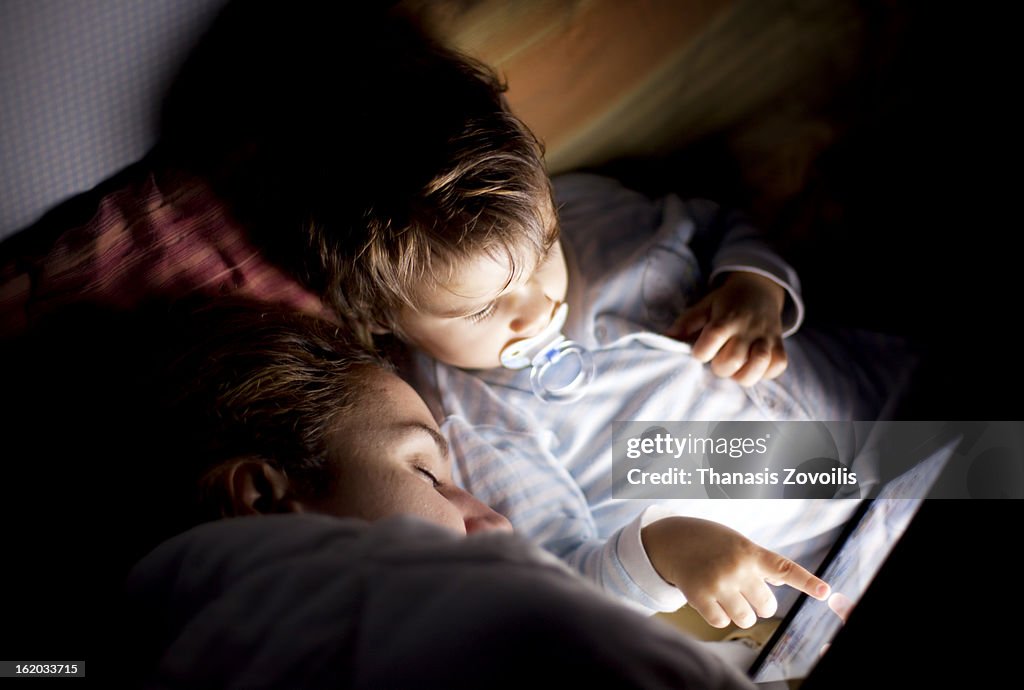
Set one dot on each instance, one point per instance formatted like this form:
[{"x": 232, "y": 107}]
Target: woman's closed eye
[
  {"x": 483, "y": 314},
  {"x": 428, "y": 476}
]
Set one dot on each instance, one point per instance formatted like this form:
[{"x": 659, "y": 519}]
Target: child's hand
[
  {"x": 722, "y": 573},
  {"x": 740, "y": 327}
]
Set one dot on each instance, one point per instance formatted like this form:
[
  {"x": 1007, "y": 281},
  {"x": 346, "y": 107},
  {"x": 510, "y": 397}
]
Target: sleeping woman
[{"x": 343, "y": 563}]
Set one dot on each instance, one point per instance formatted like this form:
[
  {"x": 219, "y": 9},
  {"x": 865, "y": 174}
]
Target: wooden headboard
[{"x": 600, "y": 80}]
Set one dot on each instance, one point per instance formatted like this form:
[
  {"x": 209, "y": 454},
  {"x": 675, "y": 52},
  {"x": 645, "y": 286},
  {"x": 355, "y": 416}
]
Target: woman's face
[{"x": 391, "y": 459}]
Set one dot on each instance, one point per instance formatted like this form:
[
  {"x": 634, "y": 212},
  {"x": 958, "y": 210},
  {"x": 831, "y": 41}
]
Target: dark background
[{"x": 930, "y": 182}]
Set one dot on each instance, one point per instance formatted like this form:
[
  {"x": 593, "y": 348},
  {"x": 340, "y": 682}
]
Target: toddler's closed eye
[{"x": 484, "y": 313}]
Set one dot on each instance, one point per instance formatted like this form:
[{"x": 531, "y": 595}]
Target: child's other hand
[
  {"x": 724, "y": 575},
  {"x": 740, "y": 328}
]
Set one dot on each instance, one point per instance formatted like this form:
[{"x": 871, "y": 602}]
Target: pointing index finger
[{"x": 782, "y": 571}]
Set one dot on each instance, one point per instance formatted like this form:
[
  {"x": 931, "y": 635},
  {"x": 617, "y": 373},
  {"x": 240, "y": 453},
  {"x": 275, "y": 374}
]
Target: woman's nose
[
  {"x": 533, "y": 310},
  {"x": 477, "y": 515}
]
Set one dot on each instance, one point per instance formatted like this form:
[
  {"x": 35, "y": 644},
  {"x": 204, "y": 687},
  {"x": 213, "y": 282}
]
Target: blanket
[{"x": 313, "y": 601}]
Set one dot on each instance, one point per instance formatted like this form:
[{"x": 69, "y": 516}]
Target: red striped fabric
[{"x": 143, "y": 243}]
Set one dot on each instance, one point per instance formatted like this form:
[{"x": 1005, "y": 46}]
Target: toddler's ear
[{"x": 249, "y": 486}]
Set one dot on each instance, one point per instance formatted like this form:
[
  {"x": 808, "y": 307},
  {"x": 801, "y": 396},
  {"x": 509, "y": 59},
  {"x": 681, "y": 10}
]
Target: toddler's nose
[{"x": 533, "y": 313}]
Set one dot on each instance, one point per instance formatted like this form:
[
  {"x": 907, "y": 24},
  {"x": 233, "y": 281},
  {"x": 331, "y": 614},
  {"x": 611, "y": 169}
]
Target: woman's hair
[
  {"x": 260, "y": 382},
  {"x": 114, "y": 420},
  {"x": 124, "y": 418},
  {"x": 362, "y": 156}
]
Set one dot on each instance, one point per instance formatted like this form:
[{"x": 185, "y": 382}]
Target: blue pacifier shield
[
  {"x": 561, "y": 368},
  {"x": 562, "y": 373}
]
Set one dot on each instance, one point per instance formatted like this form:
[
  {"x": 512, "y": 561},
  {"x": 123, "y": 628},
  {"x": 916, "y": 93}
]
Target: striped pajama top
[{"x": 632, "y": 270}]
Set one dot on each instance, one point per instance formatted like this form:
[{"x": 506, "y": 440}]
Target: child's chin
[
  {"x": 482, "y": 367},
  {"x": 473, "y": 363}
]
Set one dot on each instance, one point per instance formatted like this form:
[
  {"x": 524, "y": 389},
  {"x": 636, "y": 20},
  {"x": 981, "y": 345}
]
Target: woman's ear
[{"x": 250, "y": 486}]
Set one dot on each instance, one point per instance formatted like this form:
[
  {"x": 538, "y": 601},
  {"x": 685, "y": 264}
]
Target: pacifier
[{"x": 562, "y": 368}]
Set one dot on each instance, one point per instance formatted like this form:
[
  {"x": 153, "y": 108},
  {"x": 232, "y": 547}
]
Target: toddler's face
[{"x": 468, "y": 321}]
